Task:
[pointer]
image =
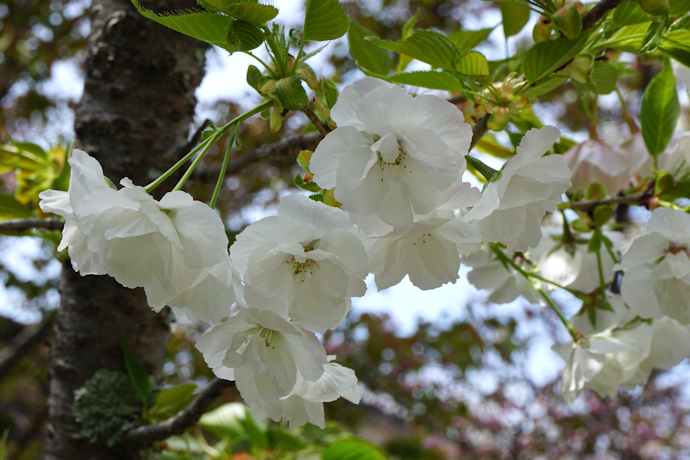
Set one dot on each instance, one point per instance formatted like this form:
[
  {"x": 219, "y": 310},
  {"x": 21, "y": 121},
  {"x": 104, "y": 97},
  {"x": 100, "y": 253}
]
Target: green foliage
[
  {"x": 427, "y": 46},
  {"x": 628, "y": 13},
  {"x": 367, "y": 55},
  {"x": 515, "y": 16},
  {"x": 546, "y": 57},
  {"x": 467, "y": 40},
  {"x": 170, "y": 401},
  {"x": 251, "y": 12},
  {"x": 325, "y": 20},
  {"x": 107, "y": 406},
  {"x": 136, "y": 373},
  {"x": 11, "y": 208},
  {"x": 426, "y": 79},
  {"x": 352, "y": 449},
  {"x": 660, "y": 110}
]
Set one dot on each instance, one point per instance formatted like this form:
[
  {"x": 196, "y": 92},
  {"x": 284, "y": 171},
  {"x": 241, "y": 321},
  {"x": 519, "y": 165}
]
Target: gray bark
[{"x": 134, "y": 117}]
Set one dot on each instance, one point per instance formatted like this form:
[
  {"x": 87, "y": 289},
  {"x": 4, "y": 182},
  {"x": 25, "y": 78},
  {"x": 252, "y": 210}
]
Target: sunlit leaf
[
  {"x": 366, "y": 54},
  {"x": 660, "y": 110},
  {"x": 325, "y": 20},
  {"x": 549, "y": 56}
]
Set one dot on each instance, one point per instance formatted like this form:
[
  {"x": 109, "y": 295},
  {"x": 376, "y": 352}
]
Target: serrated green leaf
[
  {"x": 11, "y": 208},
  {"x": 467, "y": 40},
  {"x": 325, "y": 20},
  {"x": 426, "y": 46},
  {"x": 245, "y": 35},
  {"x": 367, "y": 55},
  {"x": 676, "y": 44},
  {"x": 136, "y": 372},
  {"x": 652, "y": 37},
  {"x": 207, "y": 26},
  {"x": 253, "y": 12},
  {"x": 515, "y": 17},
  {"x": 604, "y": 77},
  {"x": 353, "y": 449},
  {"x": 546, "y": 85},
  {"x": 679, "y": 7},
  {"x": 547, "y": 57},
  {"x": 660, "y": 110},
  {"x": 628, "y": 13},
  {"x": 327, "y": 92},
  {"x": 431, "y": 79},
  {"x": 628, "y": 38},
  {"x": 473, "y": 63}
]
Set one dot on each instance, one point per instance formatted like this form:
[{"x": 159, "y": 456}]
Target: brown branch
[
  {"x": 28, "y": 338},
  {"x": 323, "y": 129},
  {"x": 187, "y": 417},
  {"x": 479, "y": 129},
  {"x": 598, "y": 11},
  {"x": 27, "y": 224},
  {"x": 285, "y": 147},
  {"x": 637, "y": 198}
]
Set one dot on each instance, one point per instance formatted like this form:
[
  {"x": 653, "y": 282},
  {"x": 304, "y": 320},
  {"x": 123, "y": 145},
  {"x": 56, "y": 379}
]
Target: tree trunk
[{"x": 134, "y": 117}]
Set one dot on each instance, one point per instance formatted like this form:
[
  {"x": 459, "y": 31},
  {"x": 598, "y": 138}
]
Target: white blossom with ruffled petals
[
  {"x": 392, "y": 154},
  {"x": 529, "y": 186}
]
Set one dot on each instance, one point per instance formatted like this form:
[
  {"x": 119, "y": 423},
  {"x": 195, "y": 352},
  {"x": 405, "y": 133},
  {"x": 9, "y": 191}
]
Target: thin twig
[
  {"x": 286, "y": 147},
  {"x": 323, "y": 129},
  {"x": 598, "y": 11},
  {"x": 479, "y": 129},
  {"x": 626, "y": 199},
  {"x": 27, "y": 224},
  {"x": 187, "y": 417}
]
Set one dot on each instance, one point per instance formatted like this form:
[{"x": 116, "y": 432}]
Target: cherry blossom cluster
[{"x": 396, "y": 164}]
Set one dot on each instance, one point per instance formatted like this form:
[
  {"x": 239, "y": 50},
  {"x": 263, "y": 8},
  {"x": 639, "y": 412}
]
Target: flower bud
[
  {"x": 568, "y": 21},
  {"x": 542, "y": 30},
  {"x": 499, "y": 119},
  {"x": 580, "y": 68},
  {"x": 655, "y": 7},
  {"x": 291, "y": 93}
]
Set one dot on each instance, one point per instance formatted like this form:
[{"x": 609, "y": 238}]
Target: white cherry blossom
[
  {"x": 529, "y": 185},
  {"x": 392, "y": 154},
  {"x": 304, "y": 263}
]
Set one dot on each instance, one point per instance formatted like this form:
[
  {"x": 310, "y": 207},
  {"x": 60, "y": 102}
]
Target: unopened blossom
[
  {"x": 392, "y": 154},
  {"x": 429, "y": 250},
  {"x": 503, "y": 281},
  {"x": 608, "y": 356},
  {"x": 166, "y": 246},
  {"x": 656, "y": 282},
  {"x": 305, "y": 263},
  {"x": 304, "y": 404},
  {"x": 529, "y": 186},
  {"x": 260, "y": 341}
]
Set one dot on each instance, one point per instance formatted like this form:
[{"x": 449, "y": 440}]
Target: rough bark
[{"x": 134, "y": 117}]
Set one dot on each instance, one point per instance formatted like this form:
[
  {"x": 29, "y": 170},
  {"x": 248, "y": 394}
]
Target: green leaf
[
  {"x": 628, "y": 13},
  {"x": 467, "y": 40},
  {"x": 352, "y": 449},
  {"x": 327, "y": 92},
  {"x": 309, "y": 186},
  {"x": 210, "y": 27},
  {"x": 136, "y": 372},
  {"x": 547, "y": 57},
  {"x": 515, "y": 17},
  {"x": 325, "y": 20},
  {"x": 245, "y": 36},
  {"x": 679, "y": 7},
  {"x": 11, "y": 208},
  {"x": 651, "y": 38},
  {"x": 256, "y": 13},
  {"x": 253, "y": 75},
  {"x": 628, "y": 38},
  {"x": 171, "y": 400},
  {"x": 604, "y": 77},
  {"x": 291, "y": 93},
  {"x": 285, "y": 441},
  {"x": 473, "y": 63},
  {"x": 426, "y": 79},
  {"x": 367, "y": 55},
  {"x": 226, "y": 420},
  {"x": 676, "y": 44},
  {"x": 427, "y": 46},
  {"x": 660, "y": 110},
  {"x": 14, "y": 157},
  {"x": 546, "y": 85}
]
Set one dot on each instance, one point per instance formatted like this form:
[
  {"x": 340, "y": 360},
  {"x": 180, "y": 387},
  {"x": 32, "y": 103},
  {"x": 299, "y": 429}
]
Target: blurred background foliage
[{"x": 452, "y": 389}]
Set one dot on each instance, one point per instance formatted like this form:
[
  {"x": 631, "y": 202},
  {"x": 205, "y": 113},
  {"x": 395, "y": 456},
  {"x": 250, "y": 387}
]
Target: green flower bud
[{"x": 655, "y": 7}]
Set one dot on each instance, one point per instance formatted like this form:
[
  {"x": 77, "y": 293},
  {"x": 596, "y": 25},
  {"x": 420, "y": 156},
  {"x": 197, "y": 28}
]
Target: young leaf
[
  {"x": 256, "y": 13},
  {"x": 291, "y": 93},
  {"x": 210, "y": 27},
  {"x": 467, "y": 40},
  {"x": 352, "y": 449},
  {"x": 11, "y": 208},
  {"x": 427, "y": 46},
  {"x": 325, "y": 20},
  {"x": 431, "y": 79},
  {"x": 245, "y": 35},
  {"x": 515, "y": 17},
  {"x": 549, "y": 56},
  {"x": 660, "y": 110},
  {"x": 679, "y": 7},
  {"x": 473, "y": 63},
  {"x": 366, "y": 54},
  {"x": 628, "y": 13},
  {"x": 136, "y": 372},
  {"x": 171, "y": 400},
  {"x": 604, "y": 77}
]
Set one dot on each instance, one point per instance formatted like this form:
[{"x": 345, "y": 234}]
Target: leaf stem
[
  {"x": 223, "y": 168},
  {"x": 574, "y": 333}
]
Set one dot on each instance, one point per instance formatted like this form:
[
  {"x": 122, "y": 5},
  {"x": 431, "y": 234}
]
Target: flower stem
[
  {"x": 149, "y": 188},
  {"x": 224, "y": 166},
  {"x": 574, "y": 333}
]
